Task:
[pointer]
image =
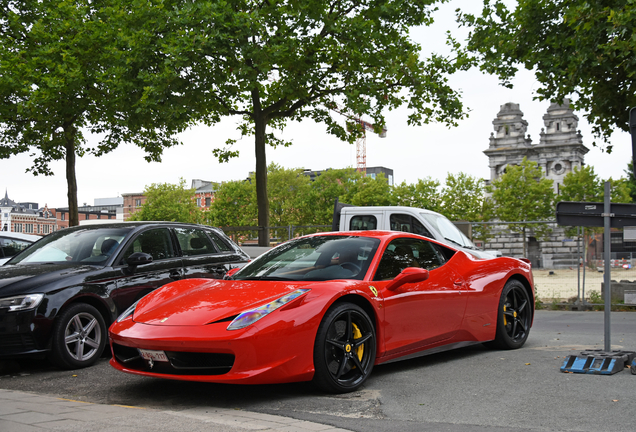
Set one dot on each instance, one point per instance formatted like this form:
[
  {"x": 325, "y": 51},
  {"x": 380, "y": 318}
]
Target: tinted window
[
  {"x": 220, "y": 243},
  {"x": 81, "y": 245},
  {"x": 363, "y": 222},
  {"x": 155, "y": 242},
  {"x": 407, "y": 223},
  {"x": 193, "y": 241},
  {"x": 11, "y": 247},
  {"x": 403, "y": 253}
]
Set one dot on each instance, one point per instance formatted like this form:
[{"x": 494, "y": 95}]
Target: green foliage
[
  {"x": 273, "y": 61},
  {"x": 63, "y": 75},
  {"x": 234, "y": 204},
  {"x": 578, "y": 47},
  {"x": 423, "y": 194},
  {"x": 463, "y": 199},
  {"x": 329, "y": 185},
  {"x": 169, "y": 202},
  {"x": 523, "y": 194},
  {"x": 289, "y": 194}
]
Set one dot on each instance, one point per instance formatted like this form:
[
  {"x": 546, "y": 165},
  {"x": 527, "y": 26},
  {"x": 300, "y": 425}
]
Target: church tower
[{"x": 560, "y": 147}]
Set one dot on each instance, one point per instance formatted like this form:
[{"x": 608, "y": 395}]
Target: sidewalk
[{"x": 28, "y": 412}]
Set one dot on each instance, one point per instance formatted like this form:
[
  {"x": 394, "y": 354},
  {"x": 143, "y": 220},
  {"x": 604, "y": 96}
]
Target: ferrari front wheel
[
  {"x": 514, "y": 316},
  {"x": 344, "y": 351}
]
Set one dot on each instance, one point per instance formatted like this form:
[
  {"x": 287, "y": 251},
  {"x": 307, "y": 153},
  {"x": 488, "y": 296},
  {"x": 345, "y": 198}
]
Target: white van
[{"x": 407, "y": 219}]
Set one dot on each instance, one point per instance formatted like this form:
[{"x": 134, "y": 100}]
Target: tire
[
  {"x": 514, "y": 316},
  {"x": 79, "y": 337},
  {"x": 344, "y": 350}
]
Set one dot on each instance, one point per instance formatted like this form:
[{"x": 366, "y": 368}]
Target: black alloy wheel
[
  {"x": 514, "y": 316},
  {"x": 345, "y": 347},
  {"x": 79, "y": 337}
]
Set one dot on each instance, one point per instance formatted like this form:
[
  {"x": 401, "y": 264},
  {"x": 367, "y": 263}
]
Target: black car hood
[{"x": 32, "y": 278}]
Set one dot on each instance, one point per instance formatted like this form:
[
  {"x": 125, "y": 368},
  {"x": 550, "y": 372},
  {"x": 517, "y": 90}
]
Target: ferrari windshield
[
  {"x": 317, "y": 258},
  {"x": 89, "y": 246}
]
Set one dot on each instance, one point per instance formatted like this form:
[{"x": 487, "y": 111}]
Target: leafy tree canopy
[
  {"x": 169, "y": 202},
  {"x": 579, "y": 47},
  {"x": 521, "y": 195},
  {"x": 64, "y": 73},
  {"x": 273, "y": 61},
  {"x": 423, "y": 194},
  {"x": 584, "y": 185}
]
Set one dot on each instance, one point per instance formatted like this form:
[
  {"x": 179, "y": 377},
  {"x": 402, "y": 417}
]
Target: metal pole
[
  {"x": 632, "y": 130},
  {"x": 607, "y": 276},
  {"x": 578, "y": 265}
]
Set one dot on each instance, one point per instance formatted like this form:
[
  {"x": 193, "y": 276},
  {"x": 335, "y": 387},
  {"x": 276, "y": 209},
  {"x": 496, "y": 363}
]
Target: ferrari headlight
[
  {"x": 128, "y": 312},
  {"x": 251, "y": 316},
  {"x": 21, "y": 303}
]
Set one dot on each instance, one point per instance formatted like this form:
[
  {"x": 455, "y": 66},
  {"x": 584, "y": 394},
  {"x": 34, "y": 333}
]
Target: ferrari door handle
[{"x": 458, "y": 283}]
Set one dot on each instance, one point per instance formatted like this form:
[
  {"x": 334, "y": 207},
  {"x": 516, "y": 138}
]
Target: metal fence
[{"x": 568, "y": 264}]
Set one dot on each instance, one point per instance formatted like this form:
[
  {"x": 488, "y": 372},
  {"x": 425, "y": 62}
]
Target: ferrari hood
[{"x": 195, "y": 302}]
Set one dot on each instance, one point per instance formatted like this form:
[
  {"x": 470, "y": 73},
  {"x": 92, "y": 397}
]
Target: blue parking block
[{"x": 599, "y": 362}]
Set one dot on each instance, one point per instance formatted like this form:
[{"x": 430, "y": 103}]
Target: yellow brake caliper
[
  {"x": 505, "y": 322},
  {"x": 357, "y": 334}
]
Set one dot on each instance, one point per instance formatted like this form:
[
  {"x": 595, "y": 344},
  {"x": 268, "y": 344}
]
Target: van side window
[
  {"x": 407, "y": 223},
  {"x": 363, "y": 222}
]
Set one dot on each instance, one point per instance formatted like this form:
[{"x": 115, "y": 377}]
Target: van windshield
[{"x": 448, "y": 230}]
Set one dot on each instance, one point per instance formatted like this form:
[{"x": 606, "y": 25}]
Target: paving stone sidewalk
[{"x": 29, "y": 412}]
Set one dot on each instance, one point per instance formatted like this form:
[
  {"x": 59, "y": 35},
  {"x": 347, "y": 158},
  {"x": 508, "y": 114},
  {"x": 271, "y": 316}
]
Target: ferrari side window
[{"x": 406, "y": 252}]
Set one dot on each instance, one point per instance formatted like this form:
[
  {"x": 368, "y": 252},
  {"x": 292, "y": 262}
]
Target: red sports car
[{"x": 327, "y": 308}]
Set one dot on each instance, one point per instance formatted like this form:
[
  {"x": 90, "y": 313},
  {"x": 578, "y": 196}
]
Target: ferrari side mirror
[{"x": 408, "y": 275}]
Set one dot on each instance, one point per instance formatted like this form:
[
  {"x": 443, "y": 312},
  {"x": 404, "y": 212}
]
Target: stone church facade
[{"x": 559, "y": 151}]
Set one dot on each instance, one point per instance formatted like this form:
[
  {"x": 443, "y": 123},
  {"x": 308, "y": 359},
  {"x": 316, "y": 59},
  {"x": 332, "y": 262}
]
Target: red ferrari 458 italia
[{"x": 327, "y": 308}]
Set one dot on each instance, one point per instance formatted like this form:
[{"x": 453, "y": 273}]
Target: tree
[
  {"x": 578, "y": 47},
  {"x": 584, "y": 185},
  {"x": 463, "y": 198},
  {"x": 423, "y": 194},
  {"x": 521, "y": 195},
  {"x": 233, "y": 204},
  {"x": 289, "y": 192},
  {"x": 270, "y": 62},
  {"x": 329, "y": 185},
  {"x": 64, "y": 73},
  {"x": 169, "y": 202}
]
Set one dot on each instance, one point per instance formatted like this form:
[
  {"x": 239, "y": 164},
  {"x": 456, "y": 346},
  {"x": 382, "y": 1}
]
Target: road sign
[{"x": 591, "y": 214}]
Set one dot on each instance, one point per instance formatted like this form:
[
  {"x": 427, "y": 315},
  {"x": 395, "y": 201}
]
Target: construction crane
[{"x": 361, "y": 144}]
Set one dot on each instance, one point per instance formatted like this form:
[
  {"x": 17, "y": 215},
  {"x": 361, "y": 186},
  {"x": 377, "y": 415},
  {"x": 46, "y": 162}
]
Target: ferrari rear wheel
[
  {"x": 344, "y": 351},
  {"x": 514, "y": 316}
]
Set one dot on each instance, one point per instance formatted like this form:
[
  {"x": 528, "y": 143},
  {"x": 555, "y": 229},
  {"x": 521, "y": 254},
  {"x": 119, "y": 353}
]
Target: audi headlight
[
  {"x": 21, "y": 303},
  {"x": 251, "y": 316}
]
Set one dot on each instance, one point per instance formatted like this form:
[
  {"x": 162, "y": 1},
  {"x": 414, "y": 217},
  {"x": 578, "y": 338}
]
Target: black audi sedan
[{"x": 59, "y": 296}]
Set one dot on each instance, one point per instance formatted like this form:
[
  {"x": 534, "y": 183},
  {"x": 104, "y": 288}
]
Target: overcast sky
[{"x": 412, "y": 152}]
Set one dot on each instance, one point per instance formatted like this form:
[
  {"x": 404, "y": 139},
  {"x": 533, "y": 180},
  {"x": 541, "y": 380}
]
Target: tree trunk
[
  {"x": 71, "y": 179},
  {"x": 262, "y": 202}
]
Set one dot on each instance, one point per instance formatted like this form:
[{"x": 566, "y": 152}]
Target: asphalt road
[{"x": 472, "y": 389}]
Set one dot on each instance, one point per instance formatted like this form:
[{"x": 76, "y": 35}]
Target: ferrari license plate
[{"x": 158, "y": 356}]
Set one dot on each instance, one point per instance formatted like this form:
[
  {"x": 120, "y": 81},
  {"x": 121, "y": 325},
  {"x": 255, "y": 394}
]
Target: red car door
[{"x": 423, "y": 313}]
